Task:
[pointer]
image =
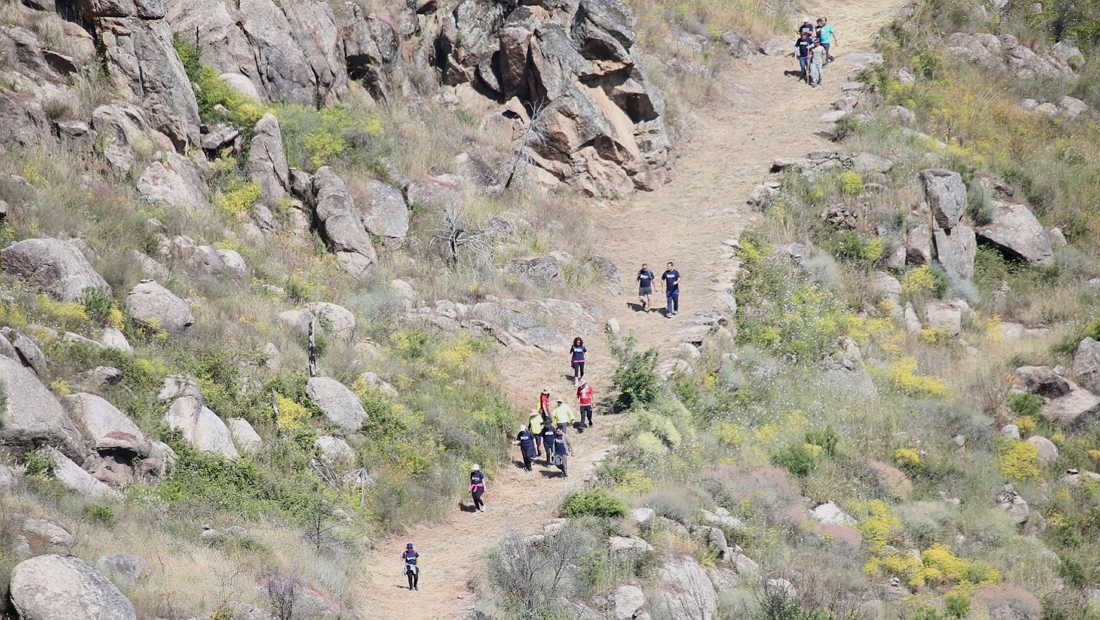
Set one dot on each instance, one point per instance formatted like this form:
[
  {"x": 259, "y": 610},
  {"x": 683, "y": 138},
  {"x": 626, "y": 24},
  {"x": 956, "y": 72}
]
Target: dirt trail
[{"x": 759, "y": 114}]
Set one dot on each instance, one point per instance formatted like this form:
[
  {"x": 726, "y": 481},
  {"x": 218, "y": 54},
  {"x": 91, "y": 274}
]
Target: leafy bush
[
  {"x": 798, "y": 458},
  {"x": 851, "y": 183},
  {"x": 38, "y": 464},
  {"x": 594, "y": 503},
  {"x": 213, "y": 94},
  {"x": 99, "y": 306},
  {"x": 904, "y": 377},
  {"x": 978, "y": 205},
  {"x": 1025, "y": 404},
  {"x": 99, "y": 513},
  {"x": 238, "y": 196},
  {"x": 635, "y": 378},
  {"x": 825, "y": 438},
  {"x": 1020, "y": 461}
]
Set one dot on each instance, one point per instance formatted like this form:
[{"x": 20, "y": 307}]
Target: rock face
[
  {"x": 384, "y": 211},
  {"x": 339, "y": 404},
  {"x": 72, "y": 477},
  {"x": 1006, "y": 54},
  {"x": 201, "y": 427},
  {"x": 341, "y": 223},
  {"x": 244, "y": 436},
  {"x": 1015, "y": 231},
  {"x": 158, "y": 307},
  {"x": 105, "y": 427},
  {"x": 684, "y": 591},
  {"x": 1073, "y": 407},
  {"x": 53, "y": 586},
  {"x": 1042, "y": 380},
  {"x": 55, "y": 266},
  {"x": 267, "y": 164},
  {"x": 946, "y": 196},
  {"x": 174, "y": 181},
  {"x": 141, "y": 60},
  {"x": 32, "y": 415},
  {"x": 1086, "y": 364},
  {"x": 955, "y": 251},
  {"x": 627, "y": 601}
]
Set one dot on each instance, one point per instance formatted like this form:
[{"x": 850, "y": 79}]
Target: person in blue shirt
[
  {"x": 671, "y": 280},
  {"x": 576, "y": 359},
  {"x": 477, "y": 487},
  {"x": 526, "y": 442},
  {"x": 561, "y": 452},
  {"x": 802, "y": 49},
  {"x": 645, "y": 286},
  {"x": 412, "y": 571},
  {"x": 826, "y": 37},
  {"x": 548, "y": 432}
]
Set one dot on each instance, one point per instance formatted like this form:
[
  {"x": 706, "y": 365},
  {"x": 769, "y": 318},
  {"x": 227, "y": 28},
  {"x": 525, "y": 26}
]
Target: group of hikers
[
  {"x": 670, "y": 281},
  {"x": 814, "y": 49}
]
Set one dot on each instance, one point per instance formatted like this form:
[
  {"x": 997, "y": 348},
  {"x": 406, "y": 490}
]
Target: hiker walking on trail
[
  {"x": 563, "y": 416},
  {"x": 408, "y": 558},
  {"x": 544, "y": 402},
  {"x": 645, "y": 286},
  {"x": 585, "y": 394},
  {"x": 526, "y": 442},
  {"x": 548, "y": 432},
  {"x": 477, "y": 487},
  {"x": 535, "y": 424},
  {"x": 817, "y": 63},
  {"x": 576, "y": 358},
  {"x": 826, "y": 37},
  {"x": 671, "y": 280},
  {"x": 561, "y": 452},
  {"x": 802, "y": 49}
]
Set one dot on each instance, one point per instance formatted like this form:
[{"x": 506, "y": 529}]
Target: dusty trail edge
[{"x": 758, "y": 115}]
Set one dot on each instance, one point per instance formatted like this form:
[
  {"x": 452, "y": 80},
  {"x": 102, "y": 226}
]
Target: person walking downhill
[
  {"x": 477, "y": 487},
  {"x": 645, "y": 286},
  {"x": 827, "y": 37},
  {"x": 817, "y": 64},
  {"x": 671, "y": 280},
  {"x": 408, "y": 559},
  {"x": 576, "y": 359},
  {"x": 548, "y": 432},
  {"x": 561, "y": 452},
  {"x": 544, "y": 402},
  {"x": 802, "y": 49},
  {"x": 534, "y": 426},
  {"x": 526, "y": 442},
  {"x": 585, "y": 395}
]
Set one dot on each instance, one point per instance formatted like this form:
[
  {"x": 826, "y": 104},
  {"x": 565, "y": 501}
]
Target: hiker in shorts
[
  {"x": 645, "y": 286},
  {"x": 802, "y": 49},
  {"x": 671, "y": 280},
  {"x": 408, "y": 559},
  {"x": 826, "y": 37}
]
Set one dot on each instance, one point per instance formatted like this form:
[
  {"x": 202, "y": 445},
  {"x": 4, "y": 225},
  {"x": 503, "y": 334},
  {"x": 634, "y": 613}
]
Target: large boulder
[
  {"x": 1006, "y": 602},
  {"x": 1073, "y": 407},
  {"x": 48, "y": 587},
  {"x": 339, "y": 404},
  {"x": 945, "y": 193},
  {"x": 245, "y": 437},
  {"x": 384, "y": 211},
  {"x": 335, "y": 453},
  {"x": 122, "y": 132},
  {"x": 174, "y": 181},
  {"x": 1015, "y": 231},
  {"x": 1042, "y": 380},
  {"x": 684, "y": 590},
  {"x": 267, "y": 165},
  {"x": 201, "y": 427},
  {"x": 106, "y": 428},
  {"x": 627, "y": 601},
  {"x": 55, "y": 266},
  {"x": 73, "y": 477},
  {"x": 1006, "y": 54},
  {"x": 955, "y": 251},
  {"x": 540, "y": 271},
  {"x": 159, "y": 308},
  {"x": 341, "y": 222},
  {"x": 141, "y": 59},
  {"x": 1086, "y": 364},
  {"x": 32, "y": 415}
]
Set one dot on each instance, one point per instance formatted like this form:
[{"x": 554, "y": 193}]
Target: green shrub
[
  {"x": 797, "y": 458},
  {"x": 824, "y": 438},
  {"x": 98, "y": 304},
  {"x": 315, "y": 138},
  {"x": 1025, "y": 404},
  {"x": 213, "y": 94},
  {"x": 635, "y": 378},
  {"x": 978, "y": 205},
  {"x": 238, "y": 196},
  {"x": 38, "y": 464},
  {"x": 99, "y": 513},
  {"x": 594, "y": 503}
]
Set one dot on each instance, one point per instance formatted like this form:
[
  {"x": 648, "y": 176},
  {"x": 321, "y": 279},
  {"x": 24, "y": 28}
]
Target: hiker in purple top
[{"x": 576, "y": 358}]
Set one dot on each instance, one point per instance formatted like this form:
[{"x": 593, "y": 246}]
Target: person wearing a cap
[
  {"x": 526, "y": 442},
  {"x": 408, "y": 558},
  {"x": 544, "y": 402},
  {"x": 563, "y": 415},
  {"x": 585, "y": 396},
  {"x": 535, "y": 424},
  {"x": 477, "y": 487}
]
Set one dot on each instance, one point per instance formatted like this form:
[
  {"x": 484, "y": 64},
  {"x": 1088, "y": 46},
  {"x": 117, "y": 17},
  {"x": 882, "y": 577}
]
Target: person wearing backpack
[
  {"x": 409, "y": 558},
  {"x": 477, "y": 487},
  {"x": 526, "y": 442}
]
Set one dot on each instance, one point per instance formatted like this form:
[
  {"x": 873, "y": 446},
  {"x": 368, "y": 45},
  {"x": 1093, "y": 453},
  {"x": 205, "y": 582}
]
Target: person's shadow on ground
[
  {"x": 793, "y": 73},
  {"x": 464, "y": 507}
]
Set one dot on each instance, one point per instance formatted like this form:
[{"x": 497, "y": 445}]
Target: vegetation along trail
[{"x": 758, "y": 115}]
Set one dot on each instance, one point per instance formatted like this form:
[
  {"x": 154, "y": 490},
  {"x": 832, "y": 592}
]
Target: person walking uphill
[
  {"x": 408, "y": 558},
  {"x": 671, "y": 279},
  {"x": 477, "y": 487},
  {"x": 576, "y": 358},
  {"x": 526, "y": 442}
]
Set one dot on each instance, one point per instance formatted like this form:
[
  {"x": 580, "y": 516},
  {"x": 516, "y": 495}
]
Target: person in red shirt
[
  {"x": 585, "y": 395},
  {"x": 544, "y": 404}
]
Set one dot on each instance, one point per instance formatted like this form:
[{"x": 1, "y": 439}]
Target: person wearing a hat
[
  {"x": 563, "y": 417},
  {"x": 544, "y": 402},
  {"x": 526, "y": 442},
  {"x": 477, "y": 487},
  {"x": 411, "y": 570}
]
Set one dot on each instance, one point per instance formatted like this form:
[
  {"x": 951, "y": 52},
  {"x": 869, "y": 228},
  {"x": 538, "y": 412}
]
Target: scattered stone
[
  {"x": 56, "y": 267},
  {"x": 627, "y": 601},
  {"x": 643, "y": 516},
  {"x": 339, "y": 404},
  {"x": 115, "y": 339},
  {"x": 1010, "y": 501},
  {"x": 49, "y": 535},
  {"x": 1047, "y": 451},
  {"x": 159, "y": 308},
  {"x": 684, "y": 590},
  {"x": 831, "y": 514},
  {"x": 33, "y": 415},
  {"x": 336, "y": 453},
  {"x": 122, "y": 566},
  {"x": 54, "y": 586},
  {"x": 245, "y": 438},
  {"x": 201, "y": 427},
  {"x": 1011, "y": 431},
  {"x": 72, "y": 477},
  {"x": 1086, "y": 364},
  {"x": 1042, "y": 380},
  {"x": 1072, "y": 407},
  {"x": 628, "y": 547}
]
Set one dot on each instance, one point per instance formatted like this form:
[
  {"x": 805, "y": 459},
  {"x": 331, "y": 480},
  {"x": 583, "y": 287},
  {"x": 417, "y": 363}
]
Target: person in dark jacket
[
  {"x": 576, "y": 359},
  {"x": 548, "y": 442},
  {"x": 408, "y": 558},
  {"x": 477, "y": 487},
  {"x": 526, "y": 443},
  {"x": 561, "y": 452}
]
